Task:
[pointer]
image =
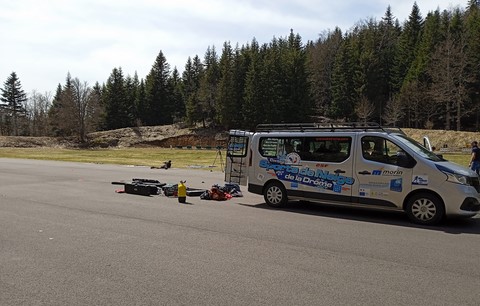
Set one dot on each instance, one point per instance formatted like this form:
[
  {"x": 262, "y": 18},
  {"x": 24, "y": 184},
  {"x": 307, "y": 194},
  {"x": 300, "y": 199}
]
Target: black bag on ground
[
  {"x": 141, "y": 189},
  {"x": 170, "y": 189}
]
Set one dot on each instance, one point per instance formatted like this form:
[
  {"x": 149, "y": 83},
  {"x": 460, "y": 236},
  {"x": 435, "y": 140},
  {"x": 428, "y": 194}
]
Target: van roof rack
[{"x": 331, "y": 127}]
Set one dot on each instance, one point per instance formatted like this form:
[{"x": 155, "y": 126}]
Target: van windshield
[{"x": 417, "y": 147}]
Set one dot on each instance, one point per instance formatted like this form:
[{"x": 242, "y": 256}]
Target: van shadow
[{"x": 451, "y": 226}]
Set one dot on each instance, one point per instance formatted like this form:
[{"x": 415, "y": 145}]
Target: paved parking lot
[{"x": 67, "y": 238}]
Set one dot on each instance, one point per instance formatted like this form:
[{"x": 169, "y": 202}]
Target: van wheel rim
[
  {"x": 424, "y": 209},
  {"x": 274, "y": 195}
]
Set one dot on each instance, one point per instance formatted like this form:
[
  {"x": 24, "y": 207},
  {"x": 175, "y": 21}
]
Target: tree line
[{"x": 423, "y": 73}]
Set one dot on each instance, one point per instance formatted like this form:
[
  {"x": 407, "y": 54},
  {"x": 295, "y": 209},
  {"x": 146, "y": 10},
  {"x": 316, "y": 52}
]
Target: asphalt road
[{"x": 67, "y": 238}]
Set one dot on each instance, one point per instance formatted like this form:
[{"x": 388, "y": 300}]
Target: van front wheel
[
  {"x": 275, "y": 195},
  {"x": 425, "y": 208}
]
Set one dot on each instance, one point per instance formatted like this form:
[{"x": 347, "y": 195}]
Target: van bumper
[
  {"x": 460, "y": 200},
  {"x": 469, "y": 204}
]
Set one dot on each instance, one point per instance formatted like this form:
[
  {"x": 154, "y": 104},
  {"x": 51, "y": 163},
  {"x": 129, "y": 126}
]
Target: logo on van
[
  {"x": 293, "y": 158},
  {"x": 420, "y": 180},
  {"x": 384, "y": 172}
]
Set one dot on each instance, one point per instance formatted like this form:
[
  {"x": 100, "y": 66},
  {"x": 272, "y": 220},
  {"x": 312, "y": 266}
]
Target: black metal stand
[{"x": 219, "y": 155}]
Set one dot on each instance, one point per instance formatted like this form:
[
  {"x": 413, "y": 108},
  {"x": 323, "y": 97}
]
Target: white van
[{"x": 350, "y": 164}]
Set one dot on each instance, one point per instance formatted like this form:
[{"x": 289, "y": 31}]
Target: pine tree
[
  {"x": 407, "y": 46},
  {"x": 131, "y": 88},
  {"x": 141, "y": 109},
  {"x": 389, "y": 33},
  {"x": 321, "y": 58},
  {"x": 117, "y": 108},
  {"x": 54, "y": 113},
  {"x": 298, "y": 107},
  {"x": 254, "y": 90},
  {"x": 191, "y": 85},
  {"x": 241, "y": 62},
  {"x": 431, "y": 36},
  {"x": 13, "y": 107},
  {"x": 226, "y": 88},
  {"x": 343, "y": 90},
  {"x": 272, "y": 80},
  {"x": 178, "y": 103},
  {"x": 98, "y": 115},
  {"x": 209, "y": 87},
  {"x": 159, "y": 93}
]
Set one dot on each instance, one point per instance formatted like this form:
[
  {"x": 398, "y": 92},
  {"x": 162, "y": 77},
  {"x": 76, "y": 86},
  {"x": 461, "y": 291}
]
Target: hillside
[
  {"x": 445, "y": 140},
  {"x": 159, "y": 136},
  {"x": 180, "y": 136}
]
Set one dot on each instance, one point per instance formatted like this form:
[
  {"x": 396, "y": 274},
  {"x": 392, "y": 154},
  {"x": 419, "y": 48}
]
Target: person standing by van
[{"x": 475, "y": 159}]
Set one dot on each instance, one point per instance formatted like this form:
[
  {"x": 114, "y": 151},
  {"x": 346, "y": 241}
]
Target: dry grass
[
  {"x": 152, "y": 157},
  {"x": 453, "y": 145},
  {"x": 455, "y": 141}
]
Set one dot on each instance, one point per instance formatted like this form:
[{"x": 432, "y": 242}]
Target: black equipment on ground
[{"x": 139, "y": 186}]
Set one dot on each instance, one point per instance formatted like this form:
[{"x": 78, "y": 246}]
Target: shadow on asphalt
[{"x": 451, "y": 226}]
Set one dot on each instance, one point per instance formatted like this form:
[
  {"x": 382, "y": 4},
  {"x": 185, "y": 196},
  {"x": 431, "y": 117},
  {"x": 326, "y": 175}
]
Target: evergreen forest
[{"x": 421, "y": 73}]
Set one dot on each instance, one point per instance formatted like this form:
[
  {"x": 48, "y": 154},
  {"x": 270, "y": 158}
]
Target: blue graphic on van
[
  {"x": 396, "y": 185},
  {"x": 310, "y": 177}
]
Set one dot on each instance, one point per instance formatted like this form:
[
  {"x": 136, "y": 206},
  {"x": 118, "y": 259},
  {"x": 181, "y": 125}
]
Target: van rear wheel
[
  {"x": 275, "y": 195},
  {"x": 426, "y": 209}
]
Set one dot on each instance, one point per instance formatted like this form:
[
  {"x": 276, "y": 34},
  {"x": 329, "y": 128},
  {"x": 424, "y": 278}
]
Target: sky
[{"x": 44, "y": 40}]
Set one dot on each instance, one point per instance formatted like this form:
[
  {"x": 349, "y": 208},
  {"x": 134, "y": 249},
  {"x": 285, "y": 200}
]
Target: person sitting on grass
[{"x": 166, "y": 165}]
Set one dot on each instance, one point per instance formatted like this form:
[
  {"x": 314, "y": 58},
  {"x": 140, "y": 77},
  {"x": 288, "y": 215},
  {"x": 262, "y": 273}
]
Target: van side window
[
  {"x": 279, "y": 146},
  {"x": 380, "y": 150},
  {"x": 320, "y": 149},
  {"x": 327, "y": 149},
  {"x": 269, "y": 147}
]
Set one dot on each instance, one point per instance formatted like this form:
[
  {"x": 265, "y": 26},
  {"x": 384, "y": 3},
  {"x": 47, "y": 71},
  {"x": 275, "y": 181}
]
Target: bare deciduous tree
[
  {"x": 393, "y": 112},
  {"x": 37, "y": 110},
  {"x": 80, "y": 109},
  {"x": 448, "y": 88},
  {"x": 364, "y": 109},
  {"x": 412, "y": 97}
]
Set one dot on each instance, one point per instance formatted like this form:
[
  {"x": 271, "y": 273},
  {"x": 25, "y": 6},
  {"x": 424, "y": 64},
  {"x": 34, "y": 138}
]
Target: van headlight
[
  {"x": 453, "y": 176},
  {"x": 457, "y": 178}
]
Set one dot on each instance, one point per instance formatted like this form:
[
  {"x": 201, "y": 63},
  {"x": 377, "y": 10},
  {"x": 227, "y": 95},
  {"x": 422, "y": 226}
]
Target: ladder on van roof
[{"x": 328, "y": 127}]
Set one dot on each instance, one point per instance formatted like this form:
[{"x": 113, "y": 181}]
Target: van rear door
[{"x": 238, "y": 157}]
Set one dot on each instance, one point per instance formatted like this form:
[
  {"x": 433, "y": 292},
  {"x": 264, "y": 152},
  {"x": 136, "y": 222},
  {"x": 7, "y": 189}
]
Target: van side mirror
[{"x": 404, "y": 160}]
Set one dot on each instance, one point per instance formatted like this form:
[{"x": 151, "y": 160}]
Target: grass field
[
  {"x": 152, "y": 157},
  {"x": 461, "y": 159}
]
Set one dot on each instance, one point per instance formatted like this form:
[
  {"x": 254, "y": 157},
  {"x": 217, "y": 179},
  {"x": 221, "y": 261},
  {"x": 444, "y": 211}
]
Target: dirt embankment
[
  {"x": 177, "y": 135},
  {"x": 158, "y": 136}
]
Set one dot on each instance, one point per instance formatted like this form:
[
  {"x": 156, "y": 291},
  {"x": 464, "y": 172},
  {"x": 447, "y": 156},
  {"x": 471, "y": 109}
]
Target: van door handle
[
  {"x": 364, "y": 172},
  {"x": 339, "y": 171}
]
